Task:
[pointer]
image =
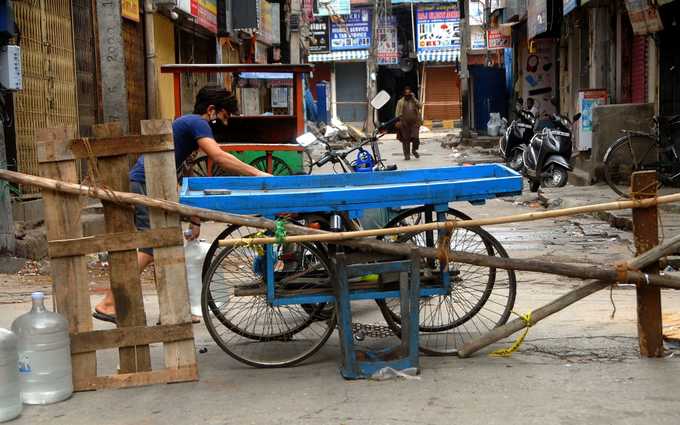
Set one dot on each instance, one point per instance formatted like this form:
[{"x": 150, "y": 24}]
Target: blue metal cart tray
[{"x": 352, "y": 193}]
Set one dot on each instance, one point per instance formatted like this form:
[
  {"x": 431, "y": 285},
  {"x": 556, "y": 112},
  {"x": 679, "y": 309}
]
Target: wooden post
[
  {"x": 171, "y": 279},
  {"x": 125, "y": 282},
  {"x": 646, "y": 232},
  {"x": 62, "y": 217}
]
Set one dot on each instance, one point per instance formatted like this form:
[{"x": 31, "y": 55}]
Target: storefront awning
[
  {"x": 439, "y": 56},
  {"x": 344, "y": 56}
]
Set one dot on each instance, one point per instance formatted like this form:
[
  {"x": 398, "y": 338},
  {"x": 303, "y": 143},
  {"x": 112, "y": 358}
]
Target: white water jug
[
  {"x": 44, "y": 351},
  {"x": 194, "y": 254},
  {"x": 10, "y": 395}
]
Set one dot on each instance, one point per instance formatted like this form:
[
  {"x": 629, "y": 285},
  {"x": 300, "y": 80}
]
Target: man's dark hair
[{"x": 216, "y": 96}]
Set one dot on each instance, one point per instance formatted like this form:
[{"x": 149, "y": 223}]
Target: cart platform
[{"x": 351, "y": 193}]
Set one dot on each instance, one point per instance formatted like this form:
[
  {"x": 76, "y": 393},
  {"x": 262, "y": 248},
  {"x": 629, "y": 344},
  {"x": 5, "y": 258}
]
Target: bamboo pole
[
  {"x": 640, "y": 262},
  {"x": 447, "y": 225},
  {"x": 609, "y": 274}
]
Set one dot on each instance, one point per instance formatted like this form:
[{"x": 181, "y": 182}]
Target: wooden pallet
[{"x": 58, "y": 151}]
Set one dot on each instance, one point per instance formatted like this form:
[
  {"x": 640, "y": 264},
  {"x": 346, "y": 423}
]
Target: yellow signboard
[{"x": 130, "y": 9}]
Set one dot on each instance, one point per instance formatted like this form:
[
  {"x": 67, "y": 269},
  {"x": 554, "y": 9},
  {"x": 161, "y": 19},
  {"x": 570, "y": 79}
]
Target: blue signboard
[
  {"x": 569, "y": 5},
  {"x": 354, "y": 33}
]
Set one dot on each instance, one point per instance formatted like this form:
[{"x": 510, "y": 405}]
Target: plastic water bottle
[
  {"x": 194, "y": 254},
  {"x": 10, "y": 395},
  {"x": 44, "y": 351}
]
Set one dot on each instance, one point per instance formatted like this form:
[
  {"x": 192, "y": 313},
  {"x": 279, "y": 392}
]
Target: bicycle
[{"x": 640, "y": 151}]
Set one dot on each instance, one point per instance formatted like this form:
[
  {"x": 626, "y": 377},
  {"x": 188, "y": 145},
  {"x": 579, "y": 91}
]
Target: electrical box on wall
[{"x": 10, "y": 67}]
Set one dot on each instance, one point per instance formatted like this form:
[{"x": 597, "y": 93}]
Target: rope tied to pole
[{"x": 507, "y": 352}]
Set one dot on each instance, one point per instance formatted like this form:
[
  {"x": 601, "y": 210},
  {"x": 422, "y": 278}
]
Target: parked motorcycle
[
  {"x": 545, "y": 161},
  {"x": 517, "y": 136}
]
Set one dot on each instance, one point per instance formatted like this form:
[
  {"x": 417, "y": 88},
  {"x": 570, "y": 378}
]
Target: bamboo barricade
[{"x": 610, "y": 274}]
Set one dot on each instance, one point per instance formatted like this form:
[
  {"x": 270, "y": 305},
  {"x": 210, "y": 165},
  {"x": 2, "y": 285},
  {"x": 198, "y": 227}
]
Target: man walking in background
[{"x": 408, "y": 127}]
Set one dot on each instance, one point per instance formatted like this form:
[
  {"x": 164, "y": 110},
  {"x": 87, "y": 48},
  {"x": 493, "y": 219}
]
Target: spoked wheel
[
  {"x": 250, "y": 330},
  {"x": 626, "y": 156},
  {"x": 203, "y": 168},
  {"x": 307, "y": 162},
  {"x": 481, "y": 298},
  {"x": 279, "y": 167}
]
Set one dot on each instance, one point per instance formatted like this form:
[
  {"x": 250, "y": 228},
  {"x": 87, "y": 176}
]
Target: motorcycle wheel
[
  {"x": 516, "y": 160},
  {"x": 555, "y": 177}
]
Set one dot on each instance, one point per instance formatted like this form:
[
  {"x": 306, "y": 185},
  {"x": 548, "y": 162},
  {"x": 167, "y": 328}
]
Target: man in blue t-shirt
[{"x": 190, "y": 133}]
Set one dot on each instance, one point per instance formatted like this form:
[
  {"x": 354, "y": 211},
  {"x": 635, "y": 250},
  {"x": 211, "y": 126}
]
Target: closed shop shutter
[
  {"x": 639, "y": 69},
  {"x": 442, "y": 94},
  {"x": 48, "y": 98},
  {"x": 350, "y": 91}
]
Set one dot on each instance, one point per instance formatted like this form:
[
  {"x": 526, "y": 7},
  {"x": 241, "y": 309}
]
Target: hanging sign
[
  {"x": 319, "y": 35},
  {"x": 568, "y": 6},
  {"x": 438, "y": 28},
  {"x": 205, "y": 12},
  {"x": 130, "y": 10},
  {"x": 331, "y": 7},
  {"x": 644, "y": 17},
  {"x": 386, "y": 37},
  {"x": 497, "y": 40},
  {"x": 352, "y": 33}
]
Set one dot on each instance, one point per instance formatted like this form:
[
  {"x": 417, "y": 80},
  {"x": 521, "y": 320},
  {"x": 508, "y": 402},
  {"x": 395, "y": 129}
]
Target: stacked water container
[{"x": 10, "y": 394}]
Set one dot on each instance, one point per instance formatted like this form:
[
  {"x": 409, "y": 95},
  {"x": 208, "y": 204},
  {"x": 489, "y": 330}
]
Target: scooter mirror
[
  {"x": 576, "y": 117},
  {"x": 380, "y": 99},
  {"x": 306, "y": 139}
]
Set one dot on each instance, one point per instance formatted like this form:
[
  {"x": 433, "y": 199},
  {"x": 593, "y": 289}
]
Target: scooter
[
  {"x": 517, "y": 136},
  {"x": 546, "y": 159}
]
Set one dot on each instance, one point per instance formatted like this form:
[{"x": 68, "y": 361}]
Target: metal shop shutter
[
  {"x": 442, "y": 94},
  {"x": 639, "y": 69}
]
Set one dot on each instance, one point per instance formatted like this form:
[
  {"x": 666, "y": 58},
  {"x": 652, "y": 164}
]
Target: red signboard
[{"x": 205, "y": 12}]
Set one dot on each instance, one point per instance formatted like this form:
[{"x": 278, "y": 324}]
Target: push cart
[{"x": 276, "y": 305}]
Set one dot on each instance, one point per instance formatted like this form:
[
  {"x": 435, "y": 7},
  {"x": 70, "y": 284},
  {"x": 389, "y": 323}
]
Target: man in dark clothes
[
  {"x": 408, "y": 127},
  {"x": 190, "y": 133}
]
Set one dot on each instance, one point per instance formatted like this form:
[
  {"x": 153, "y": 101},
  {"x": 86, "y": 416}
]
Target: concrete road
[{"x": 578, "y": 367}]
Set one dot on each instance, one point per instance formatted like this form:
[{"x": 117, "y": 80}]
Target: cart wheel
[
  {"x": 200, "y": 169},
  {"x": 307, "y": 162},
  {"x": 279, "y": 167},
  {"x": 250, "y": 330},
  {"x": 481, "y": 298}
]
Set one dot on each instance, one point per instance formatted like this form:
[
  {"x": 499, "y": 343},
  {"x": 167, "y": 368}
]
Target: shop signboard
[
  {"x": 498, "y": 40},
  {"x": 537, "y": 17},
  {"x": 319, "y": 38},
  {"x": 438, "y": 28},
  {"x": 387, "y": 48},
  {"x": 331, "y": 8},
  {"x": 568, "y": 6},
  {"x": 476, "y": 8},
  {"x": 477, "y": 38},
  {"x": 644, "y": 17},
  {"x": 354, "y": 33},
  {"x": 130, "y": 9},
  {"x": 587, "y": 100},
  {"x": 205, "y": 12},
  {"x": 184, "y": 6}
]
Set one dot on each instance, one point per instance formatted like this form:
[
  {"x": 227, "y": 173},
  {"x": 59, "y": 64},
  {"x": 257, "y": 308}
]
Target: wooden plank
[
  {"x": 123, "y": 265},
  {"x": 115, "y": 242},
  {"x": 122, "y": 145},
  {"x": 51, "y": 144},
  {"x": 171, "y": 279},
  {"x": 69, "y": 275},
  {"x": 646, "y": 232},
  {"x": 128, "y": 337},
  {"x": 128, "y": 380}
]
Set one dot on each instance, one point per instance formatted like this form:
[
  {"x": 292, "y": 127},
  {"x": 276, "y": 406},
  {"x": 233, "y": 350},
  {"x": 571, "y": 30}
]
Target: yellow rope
[{"x": 507, "y": 352}]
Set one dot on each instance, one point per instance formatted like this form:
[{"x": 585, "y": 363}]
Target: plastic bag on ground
[{"x": 410, "y": 373}]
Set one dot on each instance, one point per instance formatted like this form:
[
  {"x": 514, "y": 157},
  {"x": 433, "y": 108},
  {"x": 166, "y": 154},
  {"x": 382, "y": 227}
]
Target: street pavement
[{"x": 580, "y": 366}]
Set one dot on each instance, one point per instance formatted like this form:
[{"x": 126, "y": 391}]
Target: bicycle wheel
[
  {"x": 250, "y": 330},
  {"x": 626, "y": 156},
  {"x": 481, "y": 298},
  {"x": 202, "y": 168},
  {"x": 307, "y": 162},
  {"x": 279, "y": 167}
]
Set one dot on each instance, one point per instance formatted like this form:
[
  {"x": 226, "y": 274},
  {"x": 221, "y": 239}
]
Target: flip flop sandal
[{"x": 104, "y": 317}]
